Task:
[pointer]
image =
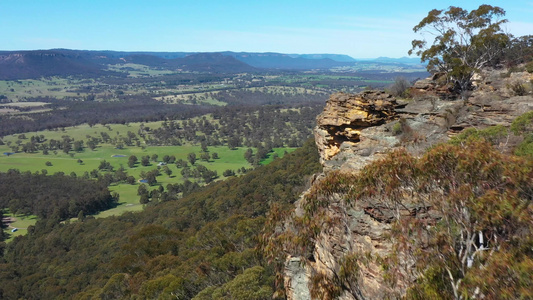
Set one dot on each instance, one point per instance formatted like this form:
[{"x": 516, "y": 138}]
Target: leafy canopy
[{"x": 463, "y": 41}]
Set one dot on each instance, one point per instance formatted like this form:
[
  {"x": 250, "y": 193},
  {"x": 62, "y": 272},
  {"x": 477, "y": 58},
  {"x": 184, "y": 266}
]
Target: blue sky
[{"x": 361, "y": 29}]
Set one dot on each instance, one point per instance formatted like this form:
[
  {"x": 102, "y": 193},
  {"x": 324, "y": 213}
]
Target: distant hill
[
  {"x": 148, "y": 60},
  {"x": 335, "y": 57},
  {"x": 402, "y": 60},
  {"x": 213, "y": 62},
  {"x": 271, "y": 60},
  {"x": 57, "y": 62},
  {"x": 33, "y": 64},
  {"x": 63, "y": 62},
  {"x": 190, "y": 61}
]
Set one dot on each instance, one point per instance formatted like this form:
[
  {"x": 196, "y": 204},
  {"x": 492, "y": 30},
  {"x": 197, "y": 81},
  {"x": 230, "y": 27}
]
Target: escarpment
[
  {"x": 345, "y": 116},
  {"x": 352, "y": 132}
]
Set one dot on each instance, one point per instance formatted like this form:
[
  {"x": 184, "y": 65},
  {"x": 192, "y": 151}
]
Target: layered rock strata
[{"x": 354, "y": 130}]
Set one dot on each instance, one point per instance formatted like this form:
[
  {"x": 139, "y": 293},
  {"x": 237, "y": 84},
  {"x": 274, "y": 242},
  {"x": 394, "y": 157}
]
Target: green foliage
[
  {"x": 464, "y": 41},
  {"x": 523, "y": 124},
  {"x": 165, "y": 287},
  {"x": 432, "y": 285},
  {"x": 205, "y": 242},
  {"x": 525, "y": 148},
  {"x": 116, "y": 287},
  {"x": 397, "y": 128},
  {"x": 254, "y": 283},
  {"x": 493, "y": 134},
  {"x": 491, "y": 189},
  {"x": 529, "y": 67},
  {"x": 24, "y": 193},
  {"x": 458, "y": 203}
]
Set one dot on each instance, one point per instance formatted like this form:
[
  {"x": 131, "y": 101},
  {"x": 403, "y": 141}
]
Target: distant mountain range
[
  {"x": 402, "y": 60},
  {"x": 38, "y": 63}
]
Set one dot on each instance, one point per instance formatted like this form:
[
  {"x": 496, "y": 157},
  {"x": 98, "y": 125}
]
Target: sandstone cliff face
[
  {"x": 346, "y": 116},
  {"x": 353, "y": 131}
]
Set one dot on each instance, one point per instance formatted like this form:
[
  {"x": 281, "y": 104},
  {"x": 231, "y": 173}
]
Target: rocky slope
[{"x": 353, "y": 131}]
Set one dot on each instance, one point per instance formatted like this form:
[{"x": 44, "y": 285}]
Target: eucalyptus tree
[{"x": 464, "y": 42}]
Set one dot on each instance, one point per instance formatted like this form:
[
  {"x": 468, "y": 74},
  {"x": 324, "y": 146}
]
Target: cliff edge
[{"x": 352, "y": 132}]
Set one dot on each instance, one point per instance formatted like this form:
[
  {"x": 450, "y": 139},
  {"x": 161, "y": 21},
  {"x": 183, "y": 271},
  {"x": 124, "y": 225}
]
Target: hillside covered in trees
[{"x": 202, "y": 245}]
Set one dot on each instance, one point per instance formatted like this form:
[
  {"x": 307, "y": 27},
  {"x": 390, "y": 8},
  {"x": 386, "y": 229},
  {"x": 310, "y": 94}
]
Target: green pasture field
[
  {"x": 61, "y": 162},
  {"x": 59, "y": 88},
  {"x": 373, "y": 66},
  {"x": 11, "y": 108},
  {"x": 313, "y": 77},
  {"x": 275, "y": 89},
  {"x": 91, "y": 159},
  {"x": 129, "y": 200},
  {"x": 200, "y": 98},
  {"x": 379, "y": 81},
  {"x": 53, "y": 86},
  {"x": 211, "y": 97},
  {"x": 25, "y": 104},
  {"x": 21, "y": 222},
  {"x": 80, "y": 132},
  {"x": 136, "y": 70}
]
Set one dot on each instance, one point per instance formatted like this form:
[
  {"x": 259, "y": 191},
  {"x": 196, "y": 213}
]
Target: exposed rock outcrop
[
  {"x": 353, "y": 131},
  {"x": 345, "y": 116}
]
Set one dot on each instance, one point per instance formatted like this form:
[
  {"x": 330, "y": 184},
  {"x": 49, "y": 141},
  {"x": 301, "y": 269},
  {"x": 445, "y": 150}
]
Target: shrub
[
  {"x": 400, "y": 87},
  {"x": 397, "y": 128},
  {"x": 517, "y": 88},
  {"x": 525, "y": 148},
  {"x": 529, "y": 67},
  {"x": 493, "y": 134},
  {"x": 523, "y": 124}
]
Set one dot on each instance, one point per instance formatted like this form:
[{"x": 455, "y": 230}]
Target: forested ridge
[{"x": 200, "y": 245}]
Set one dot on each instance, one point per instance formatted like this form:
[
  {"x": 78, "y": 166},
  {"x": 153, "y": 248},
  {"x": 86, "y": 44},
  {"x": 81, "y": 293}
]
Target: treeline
[
  {"x": 201, "y": 245},
  {"x": 169, "y": 79},
  {"x": 265, "y": 126},
  {"x": 72, "y": 113},
  {"x": 250, "y": 97},
  {"x": 57, "y": 196}
]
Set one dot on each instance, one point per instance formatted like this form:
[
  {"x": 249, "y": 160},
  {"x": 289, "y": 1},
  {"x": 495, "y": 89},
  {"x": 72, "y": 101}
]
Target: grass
[
  {"x": 53, "y": 86},
  {"x": 25, "y": 104},
  {"x": 198, "y": 98},
  {"x": 91, "y": 159},
  {"x": 279, "y": 151},
  {"x": 275, "y": 89},
  {"x": 61, "y": 162},
  {"x": 129, "y": 200},
  {"x": 22, "y": 222},
  {"x": 80, "y": 132},
  {"x": 136, "y": 70}
]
